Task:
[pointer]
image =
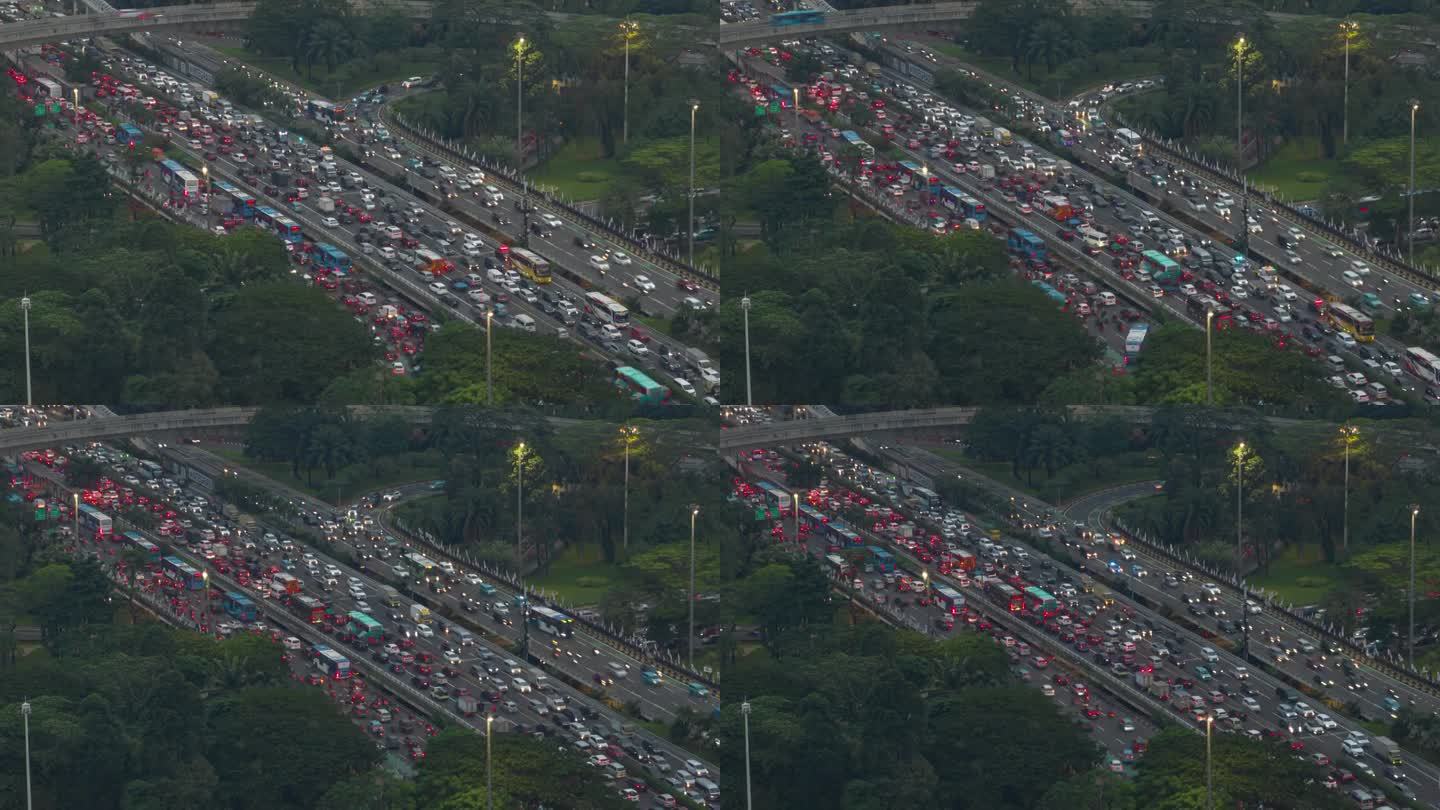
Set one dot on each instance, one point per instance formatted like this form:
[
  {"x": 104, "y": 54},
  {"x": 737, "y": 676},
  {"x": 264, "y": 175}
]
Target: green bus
[
  {"x": 640, "y": 386},
  {"x": 365, "y": 627}
]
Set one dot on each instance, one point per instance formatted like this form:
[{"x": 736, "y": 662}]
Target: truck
[
  {"x": 326, "y": 205},
  {"x": 389, "y": 595},
  {"x": 987, "y": 171},
  {"x": 1144, "y": 677},
  {"x": 467, "y": 705},
  {"x": 279, "y": 179},
  {"x": 1003, "y": 136},
  {"x": 1388, "y": 750},
  {"x": 700, "y": 360},
  {"x": 872, "y": 69},
  {"x": 209, "y": 97},
  {"x": 419, "y": 614}
]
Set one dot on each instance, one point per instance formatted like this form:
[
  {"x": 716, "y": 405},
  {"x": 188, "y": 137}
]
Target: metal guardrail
[{"x": 440, "y": 148}]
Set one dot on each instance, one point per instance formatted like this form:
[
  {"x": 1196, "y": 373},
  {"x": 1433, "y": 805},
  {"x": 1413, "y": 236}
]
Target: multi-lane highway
[
  {"x": 1131, "y": 635},
  {"x": 653, "y": 351},
  {"x": 523, "y": 693}
]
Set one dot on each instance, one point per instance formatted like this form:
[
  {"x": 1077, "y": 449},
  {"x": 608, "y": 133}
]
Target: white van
[
  {"x": 367, "y": 298},
  {"x": 387, "y": 251},
  {"x": 525, "y": 322},
  {"x": 1106, "y": 299},
  {"x": 1335, "y": 362}
]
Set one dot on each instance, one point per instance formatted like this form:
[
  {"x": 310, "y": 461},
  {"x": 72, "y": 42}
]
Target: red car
[{"x": 686, "y": 284}]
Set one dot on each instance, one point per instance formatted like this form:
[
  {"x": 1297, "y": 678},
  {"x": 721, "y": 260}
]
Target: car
[
  {"x": 520, "y": 685},
  {"x": 1320, "y": 759},
  {"x": 616, "y": 257},
  {"x": 1353, "y": 278},
  {"x": 643, "y": 283},
  {"x": 637, "y": 348},
  {"x": 598, "y": 263}
]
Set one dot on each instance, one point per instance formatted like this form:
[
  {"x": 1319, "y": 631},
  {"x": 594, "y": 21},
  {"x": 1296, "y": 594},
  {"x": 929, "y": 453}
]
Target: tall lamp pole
[
  {"x": 520, "y": 99},
  {"x": 1349, "y": 29},
  {"x": 1410, "y": 233},
  {"x": 489, "y": 765},
  {"x": 25, "y": 310},
  {"x": 25, "y": 715},
  {"x": 690, "y": 640},
  {"x": 628, "y": 434},
  {"x": 1348, "y": 434},
  {"x": 629, "y": 29},
  {"x": 745, "y": 316},
  {"x": 489, "y": 361},
  {"x": 1209, "y": 769},
  {"x": 1410, "y": 639},
  {"x": 745, "y": 718},
  {"x": 1240, "y": 101},
  {"x": 1239, "y": 508},
  {"x": 1209, "y": 370},
  {"x": 519, "y": 505},
  {"x": 694, "y": 107}
]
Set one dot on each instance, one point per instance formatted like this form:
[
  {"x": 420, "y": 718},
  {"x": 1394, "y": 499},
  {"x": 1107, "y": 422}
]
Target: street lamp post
[
  {"x": 628, "y": 435},
  {"x": 520, "y": 99},
  {"x": 489, "y": 361},
  {"x": 1348, "y": 433},
  {"x": 489, "y": 765},
  {"x": 795, "y": 513},
  {"x": 745, "y": 316},
  {"x": 1240, "y": 101},
  {"x": 1239, "y": 507},
  {"x": 1410, "y": 638},
  {"x": 25, "y": 715},
  {"x": 796, "y": 110},
  {"x": 694, "y": 107},
  {"x": 519, "y": 506},
  {"x": 1209, "y": 370},
  {"x": 1209, "y": 769},
  {"x": 629, "y": 29},
  {"x": 1410, "y": 233},
  {"x": 25, "y": 310},
  {"x": 745, "y": 718},
  {"x": 75, "y": 513},
  {"x": 1349, "y": 29},
  {"x": 690, "y": 639}
]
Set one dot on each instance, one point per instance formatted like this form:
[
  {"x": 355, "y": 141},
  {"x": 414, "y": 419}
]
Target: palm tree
[
  {"x": 1050, "y": 43},
  {"x": 328, "y": 42}
]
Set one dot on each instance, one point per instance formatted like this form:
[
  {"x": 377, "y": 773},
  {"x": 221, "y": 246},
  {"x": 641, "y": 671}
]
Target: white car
[
  {"x": 520, "y": 685},
  {"x": 239, "y": 157},
  {"x": 551, "y": 220},
  {"x": 599, "y": 263},
  {"x": 331, "y": 222},
  {"x": 451, "y": 657},
  {"x": 644, "y": 283},
  {"x": 685, "y": 386},
  {"x": 411, "y": 82},
  {"x": 292, "y": 643},
  {"x": 637, "y": 348},
  {"x": 1353, "y": 278},
  {"x": 437, "y": 288},
  {"x": 1326, "y": 721},
  {"x": 424, "y": 631},
  {"x": 1238, "y": 291},
  {"x": 473, "y": 579},
  {"x": 620, "y": 258},
  {"x": 1393, "y": 368},
  {"x": 1360, "y": 267}
]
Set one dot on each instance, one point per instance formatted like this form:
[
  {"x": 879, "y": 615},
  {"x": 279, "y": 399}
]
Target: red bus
[
  {"x": 1013, "y": 600},
  {"x": 307, "y": 607}
]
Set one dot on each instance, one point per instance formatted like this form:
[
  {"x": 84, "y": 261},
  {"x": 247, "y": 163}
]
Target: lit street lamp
[
  {"x": 694, "y": 107},
  {"x": 1349, "y": 30},
  {"x": 25, "y": 715},
  {"x": 520, "y": 99},
  {"x": 1209, "y": 770},
  {"x": 1209, "y": 370},
  {"x": 1410, "y": 232},
  {"x": 629, "y": 31},
  {"x": 745, "y": 716},
  {"x": 1348, "y": 435},
  {"x": 690, "y": 640},
  {"x": 489, "y": 765},
  {"x": 489, "y": 361},
  {"x": 1240, "y": 100},
  {"x": 25, "y": 310},
  {"x": 1410, "y": 638},
  {"x": 519, "y": 505},
  {"x": 1239, "y": 507},
  {"x": 745, "y": 316},
  {"x": 628, "y": 435}
]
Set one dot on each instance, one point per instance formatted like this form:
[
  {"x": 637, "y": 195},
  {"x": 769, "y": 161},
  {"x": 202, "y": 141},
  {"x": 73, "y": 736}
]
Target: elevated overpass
[{"x": 883, "y": 423}]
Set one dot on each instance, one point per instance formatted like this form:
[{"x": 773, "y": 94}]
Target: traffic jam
[
  {"x": 438, "y": 663},
  {"x": 863, "y": 524}
]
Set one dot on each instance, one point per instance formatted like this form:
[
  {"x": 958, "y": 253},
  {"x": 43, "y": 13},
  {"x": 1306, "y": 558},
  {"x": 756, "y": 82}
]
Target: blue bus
[
  {"x": 288, "y": 230},
  {"x": 239, "y": 606},
  {"x": 242, "y": 203},
  {"x": 331, "y": 258},
  {"x": 552, "y": 621},
  {"x": 1026, "y": 244},
  {"x": 128, "y": 134},
  {"x": 265, "y": 217},
  {"x": 844, "y": 536},
  {"x": 784, "y": 95},
  {"x": 97, "y": 523},
  {"x": 883, "y": 560},
  {"x": 179, "y": 178},
  {"x": 797, "y": 18},
  {"x": 1054, "y": 294},
  {"x": 948, "y": 597},
  {"x": 775, "y": 496},
  {"x": 183, "y": 574},
  {"x": 333, "y": 664},
  {"x": 1134, "y": 341},
  {"x": 973, "y": 208},
  {"x": 853, "y": 138},
  {"x": 149, "y": 550}
]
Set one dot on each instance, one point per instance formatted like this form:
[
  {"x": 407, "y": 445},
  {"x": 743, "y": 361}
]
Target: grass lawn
[
  {"x": 656, "y": 324},
  {"x": 325, "y": 488},
  {"x": 578, "y": 171},
  {"x": 345, "y": 82},
  {"x": 1069, "y": 482},
  {"x": 580, "y": 575},
  {"x": 1301, "y": 577},
  {"x": 1296, "y": 171}
]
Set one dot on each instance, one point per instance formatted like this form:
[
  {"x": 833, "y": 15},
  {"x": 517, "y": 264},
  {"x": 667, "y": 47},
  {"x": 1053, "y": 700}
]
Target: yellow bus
[
  {"x": 530, "y": 265},
  {"x": 1351, "y": 320}
]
